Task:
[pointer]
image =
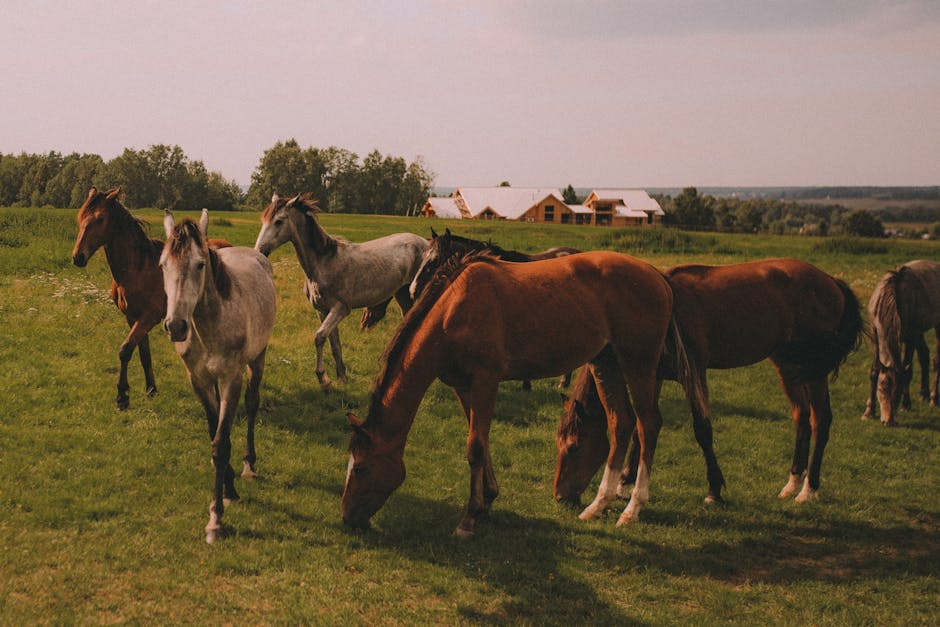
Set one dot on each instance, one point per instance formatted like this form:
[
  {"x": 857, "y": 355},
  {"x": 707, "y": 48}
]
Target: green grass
[{"x": 102, "y": 512}]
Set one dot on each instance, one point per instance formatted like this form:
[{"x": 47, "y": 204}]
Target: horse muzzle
[
  {"x": 80, "y": 260},
  {"x": 177, "y": 328}
]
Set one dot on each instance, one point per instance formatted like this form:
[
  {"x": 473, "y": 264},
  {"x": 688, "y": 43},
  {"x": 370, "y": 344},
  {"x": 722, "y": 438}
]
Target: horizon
[{"x": 645, "y": 94}]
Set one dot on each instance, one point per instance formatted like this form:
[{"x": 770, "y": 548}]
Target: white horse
[
  {"x": 341, "y": 275},
  {"x": 220, "y": 313}
]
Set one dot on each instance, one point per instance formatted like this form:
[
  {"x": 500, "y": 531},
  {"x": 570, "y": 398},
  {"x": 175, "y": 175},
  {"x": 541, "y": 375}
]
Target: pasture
[{"x": 102, "y": 511}]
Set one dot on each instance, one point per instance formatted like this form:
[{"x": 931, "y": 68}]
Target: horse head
[
  {"x": 283, "y": 220},
  {"x": 185, "y": 259},
  {"x": 581, "y": 440},
  {"x": 96, "y": 219},
  {"x": 374, "y": 472}
]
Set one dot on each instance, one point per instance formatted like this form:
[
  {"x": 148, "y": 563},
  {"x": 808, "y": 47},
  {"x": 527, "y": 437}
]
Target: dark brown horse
[
  {"x": 448, "y": 246},
  {"x": 805, "y": 321},
  {"x": 480, "y": 325},
  {"x": 904, "y": 305},
  {"x": 137, "y": 282}
]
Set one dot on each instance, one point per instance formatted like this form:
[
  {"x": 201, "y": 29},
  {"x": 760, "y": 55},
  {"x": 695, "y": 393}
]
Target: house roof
[
  {"x": 507, "y": 202},
  {"x": 580, "y": 209},
  {"x": 444, "y": 207},
  {"x": 630, "y": 203}
]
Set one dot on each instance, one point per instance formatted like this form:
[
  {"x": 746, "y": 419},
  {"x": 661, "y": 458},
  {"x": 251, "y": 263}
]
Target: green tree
[
  {"x": 691, "y": 209},
  {"x": 569, "y": 196},
  {"x": 863, "y": 223},
  {"x": 287, "y": 169}
]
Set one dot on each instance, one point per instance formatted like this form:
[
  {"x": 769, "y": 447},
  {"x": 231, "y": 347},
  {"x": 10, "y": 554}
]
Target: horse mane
[
  {"x": 488, "y": 246},
  {"x": 178, "y": 242},
  {"x": 135, "y": 228},
  {"x": 886, "y": 318},
  {"x": 570, "y": 423},
  {"x": 318, "y": 239},
  {"x": 443, "y": 278}
]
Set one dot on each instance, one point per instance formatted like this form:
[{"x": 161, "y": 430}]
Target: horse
[
  {"x": 136, "y": 283},
  {"x": 474, "y": 326},
  {"x": 220, "y": 314},
  {"x": 805, "y": 321},
  {"x": 447, "y": 246},
  {"x": 904, "y": 305},
  {"x": 341, "y": 275}
]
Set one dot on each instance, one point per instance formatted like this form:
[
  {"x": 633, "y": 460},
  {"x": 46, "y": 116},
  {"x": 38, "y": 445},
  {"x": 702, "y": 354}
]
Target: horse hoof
[
  {"x": 889, "y": 423},
  {"x": 866, "y": 416},
  {"x": 463, "y": 534},
  {"x": 712, "y": 499},
  {"x": 152, "y": 391},
  {"x": 805, "y": 496},
  {"x": 248, "y": 472},
  {"x": 212, "y": 535},
  {"x": 123, "y": 404},
  {"x": 589, "y": 514},
  {"x": 627, "y": 519}
]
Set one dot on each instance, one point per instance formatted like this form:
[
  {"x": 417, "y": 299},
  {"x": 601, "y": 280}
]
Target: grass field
[{"x": 102, "y": 512}]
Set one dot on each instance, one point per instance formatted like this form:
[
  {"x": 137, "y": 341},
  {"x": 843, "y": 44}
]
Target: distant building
[{"x": 610, "y": 207}]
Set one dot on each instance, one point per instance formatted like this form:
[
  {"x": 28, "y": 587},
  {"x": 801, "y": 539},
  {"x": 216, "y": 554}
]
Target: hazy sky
[{"x": 540, "y": 93}]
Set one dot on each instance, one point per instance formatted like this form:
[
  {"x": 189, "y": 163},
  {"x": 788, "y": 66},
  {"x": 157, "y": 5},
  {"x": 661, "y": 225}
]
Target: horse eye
[
  {"x": 278, "y": 222},
  {"x": 359, "y": 471},
  {"x": 200, "y": 265}
]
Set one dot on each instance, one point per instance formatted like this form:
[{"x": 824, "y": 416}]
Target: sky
[{"x": 605, "y": 93}]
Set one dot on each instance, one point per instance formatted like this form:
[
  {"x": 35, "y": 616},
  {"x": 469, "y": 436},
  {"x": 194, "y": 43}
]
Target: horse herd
[{"x": 467, "y": 320}]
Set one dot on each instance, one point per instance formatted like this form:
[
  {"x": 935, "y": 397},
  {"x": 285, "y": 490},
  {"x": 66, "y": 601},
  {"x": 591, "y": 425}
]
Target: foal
[{"x": 220, "y": 313}]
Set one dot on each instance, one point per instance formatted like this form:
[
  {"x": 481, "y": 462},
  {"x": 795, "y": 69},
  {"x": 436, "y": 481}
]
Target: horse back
[
  {"x": 921, "y": 279},
  {"x": 740, "y": 314}
]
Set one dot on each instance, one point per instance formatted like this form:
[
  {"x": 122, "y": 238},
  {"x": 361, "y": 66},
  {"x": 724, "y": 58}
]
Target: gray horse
[
  {"x": 904, "y": 305},
  {"x": 220, "y": 314},
  {"x": 341, "y": 275}
]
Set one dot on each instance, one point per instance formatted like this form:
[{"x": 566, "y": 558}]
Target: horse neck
[
  {"x": 397, "y": 397},
  {"x": 310, "y": 247},
  {"x": 206, "y": 312},
  {"x": 124, "y": 258}
]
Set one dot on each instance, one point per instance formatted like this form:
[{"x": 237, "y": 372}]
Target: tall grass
[{"x": 101, "y": 512}]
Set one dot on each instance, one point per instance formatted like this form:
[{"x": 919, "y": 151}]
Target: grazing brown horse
[
  {"x": 448, "y": 246},
  {"x": 482, "y": 324},
  {"x": 805, "y": 321},
  {"x": 137, "y": 281},
  {"x": 904, "y": 305}
]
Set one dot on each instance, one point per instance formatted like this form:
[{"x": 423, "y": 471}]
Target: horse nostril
[
  {"x": 79, "y": 260},
  {"x": 177, "y": 329}
]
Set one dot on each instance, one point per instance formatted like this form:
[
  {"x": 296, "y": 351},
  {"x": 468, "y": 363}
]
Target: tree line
[
  {"x": 162, "y": 176},
  {"x": 690, "y": 209}
]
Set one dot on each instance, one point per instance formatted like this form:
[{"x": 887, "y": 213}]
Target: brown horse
[
  {"x": 449, "y": 246},
  {"x": 805, "y": 321},
  {"x": 904, "y": 305},
  {"x": 137, "y": 281},
  {"x": 478, "y": 326}
]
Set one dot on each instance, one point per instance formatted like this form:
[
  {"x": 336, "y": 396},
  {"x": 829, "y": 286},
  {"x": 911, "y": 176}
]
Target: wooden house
[{"x": 624, "y": 207}]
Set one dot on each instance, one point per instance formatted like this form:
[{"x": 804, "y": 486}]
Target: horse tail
[
  {"x": 848, "y": 336},
  {"x": 687, "y": 370},
  {"x": 885, "y": 317}
]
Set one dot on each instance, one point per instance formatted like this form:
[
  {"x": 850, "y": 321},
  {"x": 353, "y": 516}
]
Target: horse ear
[
  {"x": 354, "y": 421},
  {"x": 204, "y": 222},
  {"x": 114, "y": 193},
  {"x": 433, "y": 233},
  {"x": 447, "y": 232},
  {"x": 293, "y": 203},
  {"x": 92, "y": 192},
  {"x": 274, "y": 198},
  {"x": 168, "y": 222}
]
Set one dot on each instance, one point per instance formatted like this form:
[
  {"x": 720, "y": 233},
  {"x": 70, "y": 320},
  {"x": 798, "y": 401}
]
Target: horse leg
[
  {"x": 821, "y": 420},
  {"x": 480, "y": 399},
  {"x": 327, "y": 326},
  {"x": 628, "y": 476},
  {"x": 252, "y": 402},
  {"x": 403, "y": 298},
  {"x": 904, "y": 385},
  {"x": 643, "y": 391},
  {"x": 138, "y": 331},
  {"x": 565, "y": 381},
  {"x": 923, "y": 358},
  {"x": 621, "y": 421},
  {"x": 702, "y": 426},
  {"x": 935, "y": 393},
  {"x": 336, "y": 348},
  {"x": 872, "y": 403},
  {"x": 221, "y": 455},
  {"x": 800, "y": 406},
  {"x": 143, "y": 351}
]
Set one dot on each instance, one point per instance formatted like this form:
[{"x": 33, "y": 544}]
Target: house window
[
  {"x": 566, "y": 218},
  {"x": 549, "y": 213},
  {"x": 603, "y": 214}
]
